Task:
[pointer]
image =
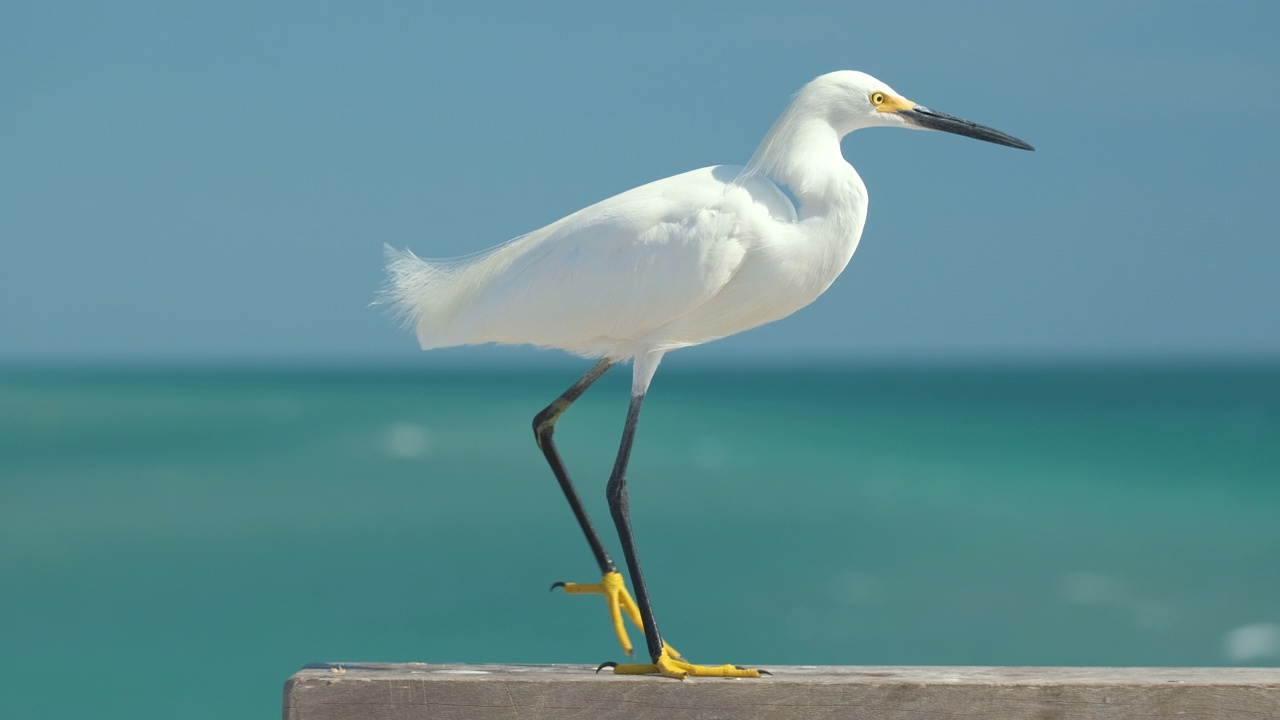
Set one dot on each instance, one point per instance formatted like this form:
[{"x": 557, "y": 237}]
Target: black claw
[
  {"x": 556, "y": 585},
  {"x": 608, "y": 664},
  {"x": 765, "y": 672}
]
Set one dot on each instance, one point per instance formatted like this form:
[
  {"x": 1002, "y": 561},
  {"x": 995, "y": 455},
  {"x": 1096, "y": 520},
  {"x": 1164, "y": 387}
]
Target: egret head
[{"x": 851, "y": 100}]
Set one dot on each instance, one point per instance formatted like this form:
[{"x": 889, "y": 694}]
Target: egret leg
[
  {"x": 544, "y": 427},
  {"x": 664, "y": 660},
  {"x": 611, "y": 585}
]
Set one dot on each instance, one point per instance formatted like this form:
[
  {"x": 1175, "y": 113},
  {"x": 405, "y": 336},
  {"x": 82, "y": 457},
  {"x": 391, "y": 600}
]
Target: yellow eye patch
[{"x": 886, "y": 103}]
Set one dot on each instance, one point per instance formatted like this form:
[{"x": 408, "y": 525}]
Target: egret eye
[{"x": 877, "y": 98}]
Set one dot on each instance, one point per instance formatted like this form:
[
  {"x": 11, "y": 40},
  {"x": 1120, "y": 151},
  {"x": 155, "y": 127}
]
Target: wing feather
[{"x": 603, "y": 281}]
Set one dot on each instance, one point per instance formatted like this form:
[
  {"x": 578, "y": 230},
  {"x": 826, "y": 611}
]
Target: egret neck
[{"x": 801, "y": 153}]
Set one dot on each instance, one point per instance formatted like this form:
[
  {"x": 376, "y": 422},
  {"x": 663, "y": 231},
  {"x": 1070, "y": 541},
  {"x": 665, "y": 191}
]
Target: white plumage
[{"x": 678, "y": 262}]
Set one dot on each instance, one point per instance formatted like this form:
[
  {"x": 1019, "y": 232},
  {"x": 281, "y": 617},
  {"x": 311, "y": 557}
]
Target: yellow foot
[
  {"x": 614, "y": 590},
  {"x": 673, "y": 667}
]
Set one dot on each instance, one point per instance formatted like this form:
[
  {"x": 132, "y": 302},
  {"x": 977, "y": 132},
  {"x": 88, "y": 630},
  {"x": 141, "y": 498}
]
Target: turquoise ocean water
[{"x": 177, "y": 543}]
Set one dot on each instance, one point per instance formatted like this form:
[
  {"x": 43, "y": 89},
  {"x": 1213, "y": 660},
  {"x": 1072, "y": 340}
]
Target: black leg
[
  {"x": 544, "y": 425},
  {"x": 619, "y": 508}
]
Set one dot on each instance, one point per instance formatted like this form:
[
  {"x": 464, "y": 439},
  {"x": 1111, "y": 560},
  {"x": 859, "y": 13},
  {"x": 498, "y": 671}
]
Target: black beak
[{"x": 933, "y": 120}]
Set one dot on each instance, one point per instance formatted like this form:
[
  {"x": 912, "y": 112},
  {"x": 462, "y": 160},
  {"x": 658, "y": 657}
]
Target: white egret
[{"x": 678, "y": 262}]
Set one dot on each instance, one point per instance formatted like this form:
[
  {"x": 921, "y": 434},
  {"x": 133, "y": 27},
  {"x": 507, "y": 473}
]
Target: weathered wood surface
[{"x": 415, "y": 691}]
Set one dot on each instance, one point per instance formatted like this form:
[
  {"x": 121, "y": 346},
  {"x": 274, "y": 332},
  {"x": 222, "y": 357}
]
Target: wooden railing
[{"x": 415, "y": 691}]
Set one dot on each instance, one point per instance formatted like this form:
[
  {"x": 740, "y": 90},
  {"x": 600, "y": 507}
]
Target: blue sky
[{"x": 213, "y": 182}]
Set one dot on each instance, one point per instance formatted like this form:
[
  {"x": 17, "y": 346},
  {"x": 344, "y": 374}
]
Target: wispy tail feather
[{"x": 420, "y": 293}]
